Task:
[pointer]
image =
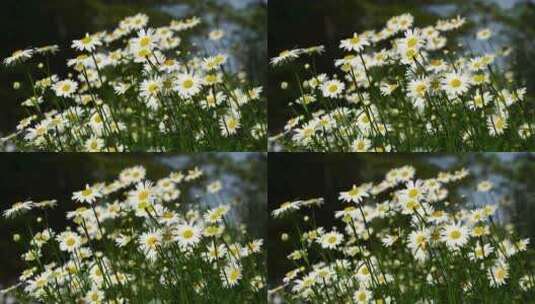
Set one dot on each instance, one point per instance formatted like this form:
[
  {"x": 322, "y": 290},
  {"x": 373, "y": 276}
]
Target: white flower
[
  {"x": 332, "y": 88},
  {"x": 286, "y": 55},
  {"x": 454, "y": 235},
  {"x": 88, "y": 43},
  {"x": 188, "y": 85},
  {"x": 69, "y": 241},
  {"x": 355, "y": 195},
  {"x": 187, "y": 235},
  {"x": 231, "y": 275},
  {"x": 88, "y": 195},
  {"x": 19, "y": 56},
  {"x": 331, "y": 240},
  {"x": 355, "y": 43},
  {"x": 18, "y": 208},
  {"x": 65, "y": 88},
  {"x": 455, "y": 84},
  {"x": 229, "y": 124},
  {"x": 149, "y": 243}
]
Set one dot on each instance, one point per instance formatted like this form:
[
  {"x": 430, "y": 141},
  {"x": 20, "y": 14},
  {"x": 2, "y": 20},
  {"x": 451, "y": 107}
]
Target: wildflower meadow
[
  {"x": 404, "y": 240},
  {"x": 406, "y": 88},
  {"x": 132, "y": 240},
  {"x": 140, "y": 88}
]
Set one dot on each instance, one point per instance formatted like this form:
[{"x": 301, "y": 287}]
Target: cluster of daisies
[
  {"x": 406, "y": 88},
  {"x": 140, "y": 88},
  {"x": 402, "y": 240},
  {"x": 132, "y": 241}
]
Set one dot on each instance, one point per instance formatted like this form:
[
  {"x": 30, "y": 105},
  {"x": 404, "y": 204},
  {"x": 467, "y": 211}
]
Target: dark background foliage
[
  {"x": 293, "y": 176},
  {"x": 35, "y": 23},
  {"x": 303, "y": 23},
  {"x": 42, "y": 176}
]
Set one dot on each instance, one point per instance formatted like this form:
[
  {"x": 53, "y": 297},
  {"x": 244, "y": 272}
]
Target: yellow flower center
[
  {"x": 87, "y": 192},
  {"x": 187, "y": 234},
  {"x": 145, "y": 41},
  {"x": 187, "y": 84},
  {"x": 455, "y": 235},
  {"x": 87, "y": 40},
  {"x": 455, "y": 83},
  {"x": 332, "y": 88},
  {"x": 70, "y": 242}
]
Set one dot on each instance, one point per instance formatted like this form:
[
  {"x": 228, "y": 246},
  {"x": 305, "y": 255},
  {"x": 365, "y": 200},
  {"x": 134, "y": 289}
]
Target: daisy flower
[
  {"x": 19, "y": 56},
  {"x": 88, "y": 195},
  {"x": 331, "y": 240},
  {"x": 187, "y": 235},
  {"x": 18, "y": 208},
  {"x": 142, "y": 197},
  {"x": 145, "y": 39},
  {"x": 151, "y": 87},
  {"x": 88, "y": 43},
  {"x": 355, "y": 195},
  {"x": 454, "y": 235},
  {"x": 215, "y": 215},
  {"x": 332, "y": 88},
  {"x": 362, "y": 296},
  {"x": 498, "y": 274},
  {"x": 285, "y": 56},
  {"x": 355, "y": 43},
  {"x": 69, "y": 241},
  {"x": 418, "y": 88},
  {"x": 496, "y": 124},
  {"x": 455, "y": 84},
  {"x": 188, "y": 85},
  {"x": 94, "y": 144},
  {"x": 286, "y": 207},
  {"x": 361, "y": 145},
  {"x": 229, "y": 124},
  {"x": 231, "y": 275},
  {"x": 65, "y": 88},
  {"x": 149, "y": 242}
]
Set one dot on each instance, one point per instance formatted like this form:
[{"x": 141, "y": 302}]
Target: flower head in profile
[
  {"x": 19, "y": 56},
  {"x": 18, "y": 208},
  {"x": 285, "y": 56},
  {"x": 286, "y": 207}
]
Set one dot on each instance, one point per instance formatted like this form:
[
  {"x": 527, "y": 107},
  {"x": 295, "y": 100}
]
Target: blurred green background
[
  {"x": 35, "y": 23},
  {"x": 295, "y": 176},
  {"x": 42, "y": 176},
  {"x": 302, "y": 23}
]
